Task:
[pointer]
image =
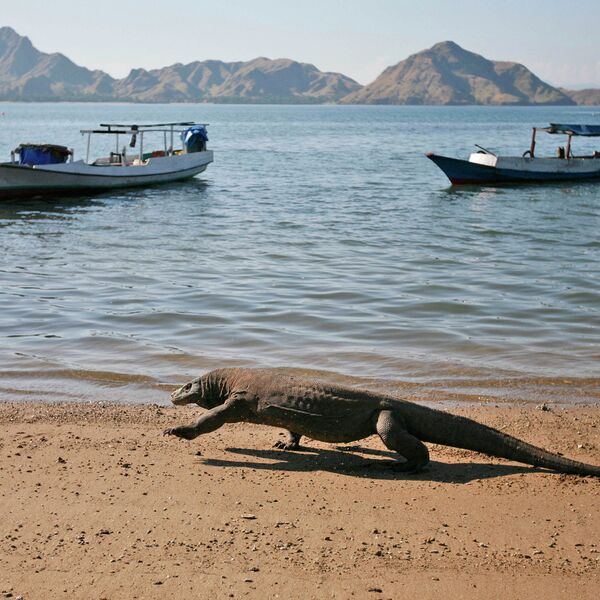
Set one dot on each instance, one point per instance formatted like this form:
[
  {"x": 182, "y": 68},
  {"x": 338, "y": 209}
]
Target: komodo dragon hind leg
[
  {"x": 393, "y": 434},
  {"x": 292, "y": 442}
]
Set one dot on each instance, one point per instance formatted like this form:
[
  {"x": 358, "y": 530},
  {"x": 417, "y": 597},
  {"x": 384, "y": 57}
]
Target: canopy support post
[
  {"x": 569, "y": 146},
  {"x": 87, "y": 154},
  {"x": 532, "y": 146}
]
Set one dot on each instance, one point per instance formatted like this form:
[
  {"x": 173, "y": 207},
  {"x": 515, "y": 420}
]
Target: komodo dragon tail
[{"x": 439, "y": 427}]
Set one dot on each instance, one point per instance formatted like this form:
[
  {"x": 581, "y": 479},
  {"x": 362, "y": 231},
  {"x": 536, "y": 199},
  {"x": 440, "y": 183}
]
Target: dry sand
[{"x": 96, "y": 503}]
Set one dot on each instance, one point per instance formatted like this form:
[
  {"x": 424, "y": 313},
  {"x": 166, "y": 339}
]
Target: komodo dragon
[{"x": 341, "y": 414}]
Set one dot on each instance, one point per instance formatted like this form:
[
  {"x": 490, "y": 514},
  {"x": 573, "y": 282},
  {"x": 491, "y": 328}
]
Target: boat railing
[
  {"x": 134, "y": 130},
  {"x": 570, "y": 131}
]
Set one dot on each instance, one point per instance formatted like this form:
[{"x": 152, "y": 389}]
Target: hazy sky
[{"x": 557, "y": 40}]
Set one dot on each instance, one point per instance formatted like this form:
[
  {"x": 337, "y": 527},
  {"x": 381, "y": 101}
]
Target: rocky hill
[
  {"x": 28, "y": 74},
  {"x": 587, "y": 97},
  {"x": 445, "y": 74},
  {"x": 449, "y": 75}
]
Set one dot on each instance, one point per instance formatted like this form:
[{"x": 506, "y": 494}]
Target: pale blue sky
[{"x": 558, "y": 40}]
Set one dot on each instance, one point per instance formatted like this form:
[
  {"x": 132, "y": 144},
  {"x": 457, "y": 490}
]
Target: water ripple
[{"x": 322, "y": 239}]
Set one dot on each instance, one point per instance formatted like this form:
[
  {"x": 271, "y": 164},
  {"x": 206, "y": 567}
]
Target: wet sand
[{"x": 96, "y": 503}]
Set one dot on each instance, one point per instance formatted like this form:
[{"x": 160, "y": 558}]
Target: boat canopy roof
[
  {"x": 177, "y": 124},
  {"x": 568, "y": 129},
  {"x": 136, "y": 128}
]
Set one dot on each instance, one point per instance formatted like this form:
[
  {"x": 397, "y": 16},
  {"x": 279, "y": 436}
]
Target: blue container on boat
[
  {"x": 42, "y": 154},
  {"x": 194, "y": 138}
]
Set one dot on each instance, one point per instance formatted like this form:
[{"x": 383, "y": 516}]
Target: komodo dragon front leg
[
  {"x": 392, "y": 431},
  {"x": 231, "y": 411}
]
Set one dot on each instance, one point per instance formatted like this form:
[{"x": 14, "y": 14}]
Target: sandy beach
[{"x": 96, "y": 503}]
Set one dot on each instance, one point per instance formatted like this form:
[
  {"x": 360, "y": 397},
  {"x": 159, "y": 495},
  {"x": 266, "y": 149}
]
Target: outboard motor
[{"x": 194, "y": 139}]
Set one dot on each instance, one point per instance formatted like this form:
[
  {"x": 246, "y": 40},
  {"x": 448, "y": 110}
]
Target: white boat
[{"x": 41, "y": 169}]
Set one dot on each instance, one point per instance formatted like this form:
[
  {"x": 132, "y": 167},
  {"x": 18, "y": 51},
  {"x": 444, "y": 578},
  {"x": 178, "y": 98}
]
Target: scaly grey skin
[{"x": 340, "y": 414}]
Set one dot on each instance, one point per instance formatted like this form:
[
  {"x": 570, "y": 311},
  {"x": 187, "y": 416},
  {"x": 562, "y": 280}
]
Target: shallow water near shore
[{"x": 321, "y": 239}]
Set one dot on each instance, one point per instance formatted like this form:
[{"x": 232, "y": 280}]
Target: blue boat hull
[{"x": 463, "y": 172}]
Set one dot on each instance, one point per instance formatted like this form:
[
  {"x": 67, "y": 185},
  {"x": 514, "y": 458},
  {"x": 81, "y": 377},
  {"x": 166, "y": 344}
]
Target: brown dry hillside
[
  {"x": 28, "y": 74},
  {"x": 448, "y": 74}
]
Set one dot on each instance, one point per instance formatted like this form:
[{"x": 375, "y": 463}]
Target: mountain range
[
  {"x": 27, "y": 74},
  {"x": 445, "y": 74}
]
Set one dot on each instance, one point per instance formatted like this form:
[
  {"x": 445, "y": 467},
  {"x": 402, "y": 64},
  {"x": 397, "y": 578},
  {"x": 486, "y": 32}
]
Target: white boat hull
[{"x": 80, "y": 177}]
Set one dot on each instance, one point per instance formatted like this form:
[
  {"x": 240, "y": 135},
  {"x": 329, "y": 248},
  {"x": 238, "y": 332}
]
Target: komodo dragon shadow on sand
[{"x": 340, "y": 414}]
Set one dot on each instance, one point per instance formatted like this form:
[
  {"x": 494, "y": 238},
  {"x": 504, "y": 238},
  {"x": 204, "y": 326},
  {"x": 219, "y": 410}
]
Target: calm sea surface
[{"x": 321, "y": 238}]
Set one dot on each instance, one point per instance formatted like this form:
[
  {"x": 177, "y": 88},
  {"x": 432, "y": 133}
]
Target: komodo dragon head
[
  {"x": 188, "y": 393},
  {"x": 207, "y": 391}
]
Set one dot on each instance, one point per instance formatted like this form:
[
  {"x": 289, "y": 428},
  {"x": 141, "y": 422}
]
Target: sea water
[{"x": 321, "y": 239}]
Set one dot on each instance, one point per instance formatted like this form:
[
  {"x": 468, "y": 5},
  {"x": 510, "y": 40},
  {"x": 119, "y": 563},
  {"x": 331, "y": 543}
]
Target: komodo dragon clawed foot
[
  {"x": 292, "y": 442},
  {"x": 187, "y": 433},
  {"x": 409, "y": 467},
  {"x": 393, "y": 434}
]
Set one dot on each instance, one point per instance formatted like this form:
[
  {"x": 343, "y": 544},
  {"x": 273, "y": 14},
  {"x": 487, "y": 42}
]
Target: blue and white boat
[
  {"x": 485, "y": 167},
  {"x": 41, "y": 169}
]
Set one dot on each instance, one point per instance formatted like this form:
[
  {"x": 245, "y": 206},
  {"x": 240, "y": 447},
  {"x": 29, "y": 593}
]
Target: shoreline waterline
[{"x": 465, "y": 389}]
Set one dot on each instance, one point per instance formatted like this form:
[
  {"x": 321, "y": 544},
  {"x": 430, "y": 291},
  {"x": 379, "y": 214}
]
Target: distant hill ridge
[
  {"x": 444, "y": 74},
  {"x": 587, "y": 97},
  {"x": 28, "y": 74},
  {"x": 449, "y": 75}
]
